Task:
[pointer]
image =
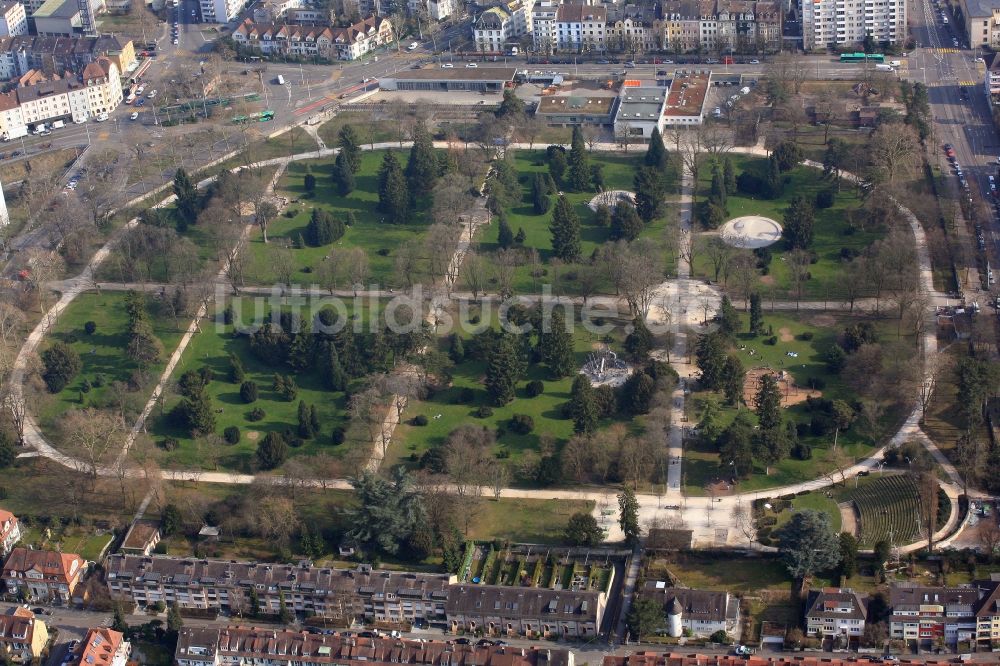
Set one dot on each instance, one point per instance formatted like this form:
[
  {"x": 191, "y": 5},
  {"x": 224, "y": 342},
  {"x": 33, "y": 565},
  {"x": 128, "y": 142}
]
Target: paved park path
[{"x": 711, "y": 518}]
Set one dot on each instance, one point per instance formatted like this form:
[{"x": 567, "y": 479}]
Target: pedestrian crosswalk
[
  {"x": 968, "y": 83},
  {"x": 943, "y": 51}
]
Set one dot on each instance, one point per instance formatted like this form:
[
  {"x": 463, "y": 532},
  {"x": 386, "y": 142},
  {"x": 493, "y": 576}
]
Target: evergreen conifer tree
[
  {"x": 556, "y": 347},
  {"x": 342, "y": 175},
  {"x": 503, "y": 369},
  {"x": 565, "y": 230},
  {"x": 422, "y": 166},
  {"x": 393, "y": 198},
  {"x": 625, "y": 222},
  {"x": 350, "y": 145},
  {"x": 583, "y": 405},
  {"x": 579, "y": 169},
  {"x": 656, "y": 154}
]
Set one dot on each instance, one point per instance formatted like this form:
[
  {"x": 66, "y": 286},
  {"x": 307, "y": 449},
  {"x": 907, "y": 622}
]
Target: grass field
[
  {"x": 831, "y": 230},
  {"x": 619, "y": 171},
  {"x": 103, "y": 352},
  {"x": 701, "y": 462},
  {"x": 377, "y": 239},
  {"x": 444, "y": 413},
  {"x": 732, "y": 574},
  {"x": 211, "y": 348},
  {"x": 369, "y": 127}
]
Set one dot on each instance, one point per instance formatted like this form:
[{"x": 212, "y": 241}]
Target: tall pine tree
[
  {"x": 649, "y": 193},
  {"x": 422, "y": 166},
  {"x": 579, "y": 171},
  {"x": 393, "y": 198},
  {"x": 556, "y": 347},
  {"x": 768, "y": 403},
  {"x": 342, "y": 175},
  {"x": 503, "y": 368},
  {"x": 350, "y": 145},
  {"x": 625, "y": 222},
  {"x": 656, "y": 154},
  {"x": 187, "y": 198},
  {"x": 583, "y": 405},
  {"x": 565, "y": 230}
]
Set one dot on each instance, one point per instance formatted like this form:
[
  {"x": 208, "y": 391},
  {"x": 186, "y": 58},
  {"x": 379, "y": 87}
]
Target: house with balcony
[
  {"x": 530, "y": 612},
  {"x": 101, "y": 647},
  {"x": 933, "y": 615},
  {"x": 835, "y": 612},
  {"x": 23, "y": 636},
  {"x": 10, "y": 532}
]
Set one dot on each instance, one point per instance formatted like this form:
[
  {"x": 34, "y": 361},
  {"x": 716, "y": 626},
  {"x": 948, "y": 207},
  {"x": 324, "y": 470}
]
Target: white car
[
  {"x": 152, "y": 94},
  {"x": 447, "y": 65},
  {"x": 134, "y": 116},
  {"x": 471, "y": 65},
  {"x": 176, "y": 41},
  {"x": 139, "y": 90}
]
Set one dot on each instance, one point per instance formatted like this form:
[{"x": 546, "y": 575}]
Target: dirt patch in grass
[
  {"x": 822, "y": 320},
  {"x": 848, "y": 522},
  {"x": 791, "y": 393},
  {"x": 41, "y": 165},
  {"x": 785, "y": 334},
  {"x": 767, "y": 279},
  {"x": 253, "y": 435}
]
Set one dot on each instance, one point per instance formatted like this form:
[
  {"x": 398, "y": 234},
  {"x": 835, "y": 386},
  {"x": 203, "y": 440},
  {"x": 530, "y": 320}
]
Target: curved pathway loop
[{"x": 710, "y": 518}]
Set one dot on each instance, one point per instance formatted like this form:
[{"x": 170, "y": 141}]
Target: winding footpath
[{"x": 711, "y": 519}]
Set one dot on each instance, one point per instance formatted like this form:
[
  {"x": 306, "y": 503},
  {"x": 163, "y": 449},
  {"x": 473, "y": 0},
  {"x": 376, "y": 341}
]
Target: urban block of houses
[
  {"x": 322, "y": 41},
  {"x": 992, "y": 81},
  {"x": 679, "y": 26},
  {"x": 647, "y": 658},
  {"x": 207, "y": 646},
  {"x": 982, "y": 22},
  {"x": 19, "y": 55},
  {"x": 43, "y": 99},
  {"x": 10, "y": 532},
  {"x": 687, "y": 97},
  {"x": 42, "y": 575},
  {"x": 141, "y": 538},
  {"x": 102, "y": 647},
  {"x": 518, "y": 611},
  {"x": 227, "y": 586},
  {"x": 22, "y": 635},
  {"x": 221, "y": 11},
  {"x": 933, "y": 613},
  {"x": 697, "y": 612},
  {"x": 833, "y": 612}
]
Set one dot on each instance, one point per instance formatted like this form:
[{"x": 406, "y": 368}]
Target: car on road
[
  {"x": 176, "y": 41},
  {"x": 140, "y": 102},
  {"x": 755, "y": 62},
  {"x": 471, "y": 65},
  {"x": 448, "y": 65},
  {"x": 711, "y": 61},
  {"x": 151, "y": 94},
  {"x": 661, "y": 72},
  {"x": 629, "y": 65},
  {"x": 603, "y": 62},
  {"x": 134, "y": 115}
]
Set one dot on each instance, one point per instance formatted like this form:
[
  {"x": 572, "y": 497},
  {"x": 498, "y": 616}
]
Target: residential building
[
  {"x": 516, "y": 611},
  {"x": 102, "y": 647},
  {"x": 634, "y": 28},
  {"x": 23, "y": 636},
  {"x": 322, "y": 41},
  {"x": 343, "y": 594},
  {"x": 833, "y": 612},
  {"x": 10, "y": 528},
  {"x": 306, "y": 16},
  {"x": 982, "y": 22},
  {"x": 436, "y": 10},
  {"x": 141, "y": 537},
  {"x": 933, "y": 614},
  {"x": 42, "y": 575},
  {"x": 988, "y": 611},
  {"x": 221, "y": 11},
  {"x": 13, "y": 19},
  {"x": 581, "y": 28},
  {"x": 272, "y": 11},
  {"x": 992, "y": 78},
  {"x": 640, "y": 110},
  {"x": 543, "y": 25},
  {"x": 687, "y": 658},
  {"x": 42, "y": 99},
  {"x": 491, "y": 30},
  {"x": 697, "y": 612},
  {"x": 206, "y": 646},
  {"x": 831, "y": 23}
]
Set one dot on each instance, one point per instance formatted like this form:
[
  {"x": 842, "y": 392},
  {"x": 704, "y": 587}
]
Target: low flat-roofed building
[
  {"x": 142, "y": 538},
  {"x": 686, "y": 99},
  {"x": 569, "y": 110},
  {"x": 640, "y": 110},
  {"x": 58, "y": 18},
  {"x": 444, "y": 79}
]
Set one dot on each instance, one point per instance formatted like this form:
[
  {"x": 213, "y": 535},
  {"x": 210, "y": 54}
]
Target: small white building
[
  {"x": 13, "y": 19},
  {"x": 640, "y": 110},
  {"x": 699, "y": 612}
]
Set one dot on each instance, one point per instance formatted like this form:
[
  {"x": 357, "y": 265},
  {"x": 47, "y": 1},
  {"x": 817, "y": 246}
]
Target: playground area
[
  {"x": 791, "y": 393},
  {"x": 751, "y": 232}
]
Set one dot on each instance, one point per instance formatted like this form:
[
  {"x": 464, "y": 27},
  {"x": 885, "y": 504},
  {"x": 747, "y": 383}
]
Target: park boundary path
[{"x": 709, "y": 517}]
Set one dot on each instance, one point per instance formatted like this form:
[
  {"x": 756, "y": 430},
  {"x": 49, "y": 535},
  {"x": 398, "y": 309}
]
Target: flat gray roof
[
  {"x": 459, "y": 73},
  {"x": 641, "y": 103}
]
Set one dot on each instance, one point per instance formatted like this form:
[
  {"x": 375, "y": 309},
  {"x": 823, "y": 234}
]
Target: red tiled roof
[{"x": 52, "y": 565}]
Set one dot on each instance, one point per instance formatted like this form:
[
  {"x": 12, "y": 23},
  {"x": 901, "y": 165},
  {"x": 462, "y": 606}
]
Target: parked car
[{"x": 134, "y": 115}]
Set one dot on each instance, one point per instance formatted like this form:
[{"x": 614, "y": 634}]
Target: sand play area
[
  {"x": 751, "y": 231},
  {"x": 791, "y": 393}
]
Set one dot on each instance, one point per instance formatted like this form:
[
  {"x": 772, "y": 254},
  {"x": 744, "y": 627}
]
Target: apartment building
[
  {"x": 10, "y": 532},
  {"x": 229, "y": 586},
  {"x": 532, "y": 612},
  {"x": 221, "y": 11},
  {"x": 831, "y": 23},
  {"x": 42, "y": 575},
  {"x": 13, "y": 19},
  {"x": 41, "y": 99},
  {"x": 698, "y": 612},
  {"x": 206, "y": 646},
  {"x": 982, "y": 22},
  {"x": 833, "y": 612},
  {"x": 324, "y": 41},
  {"x": 101, "y": 647},
  {"x": 581, "y": 28},
  {"x": 498, "y": 25},
  {"x": 933, "y": 614},
  {"x": 543, "y": 25},
  {"x": 141, "y": 538},
  {"x": 23, "y": 636},
  {"x": 634, "y": 28}
]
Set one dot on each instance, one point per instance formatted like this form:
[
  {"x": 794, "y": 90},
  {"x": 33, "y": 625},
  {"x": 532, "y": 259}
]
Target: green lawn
[
  {"x": 524, "y": 520},
  {"x": 831, "y": 230},
  {"x": 211, "y": 348},
  {"x": 102, "y": 353},
  {"x": 444, "y": 413},
  {"x": 619, "y": 171},
  {"x": 732, "y": 574},
  {"x": 377, "y": 239},
  {"x": 368, "y": 127},
  {"x": 817, "y": 501},
  {"x": 701, "y": 461}
]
